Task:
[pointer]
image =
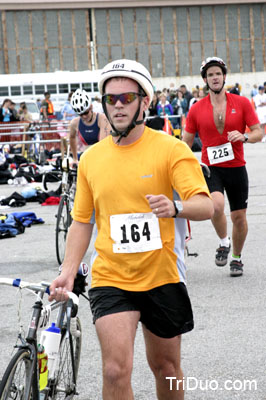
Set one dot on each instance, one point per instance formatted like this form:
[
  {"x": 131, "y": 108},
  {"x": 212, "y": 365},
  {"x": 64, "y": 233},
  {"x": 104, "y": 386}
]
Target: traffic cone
[{"x": 167, "y": 126}]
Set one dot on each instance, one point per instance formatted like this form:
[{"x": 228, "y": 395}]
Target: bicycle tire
[
  {"x": 17, "y": 376},
  {"x": 63, "y": 221},
  {"x": 64, "y": 385},
  {"x": 49, "y": 178}
]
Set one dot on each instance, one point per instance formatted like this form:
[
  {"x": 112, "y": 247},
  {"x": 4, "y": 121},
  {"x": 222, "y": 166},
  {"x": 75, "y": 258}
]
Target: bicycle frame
[{"x": 40, "y": 318}]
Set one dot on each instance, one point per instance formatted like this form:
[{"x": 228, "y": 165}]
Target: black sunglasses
[
  {"x": 125, "y": 98},
  {"x": 85, "y": 113}
]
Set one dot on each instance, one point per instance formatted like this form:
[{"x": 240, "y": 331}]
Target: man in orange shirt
[
  {"x": 139, "y": 186},
  {"x": 47, "y": 108}
]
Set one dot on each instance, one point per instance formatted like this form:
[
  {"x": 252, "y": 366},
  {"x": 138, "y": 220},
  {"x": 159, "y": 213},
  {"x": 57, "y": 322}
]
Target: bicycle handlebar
[{"x": 36, "y": 287}]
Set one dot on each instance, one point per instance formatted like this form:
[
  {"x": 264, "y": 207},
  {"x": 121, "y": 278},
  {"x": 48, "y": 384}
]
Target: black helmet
[{"x": 210, "y": 62}]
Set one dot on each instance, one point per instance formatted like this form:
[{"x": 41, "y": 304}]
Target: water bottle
[
  {"x": 43, "y": 366},
  {"x": 50, "y": 339}
]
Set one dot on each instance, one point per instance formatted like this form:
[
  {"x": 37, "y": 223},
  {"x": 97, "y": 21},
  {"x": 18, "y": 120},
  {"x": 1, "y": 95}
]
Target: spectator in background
[
  {"x": 39, "y": 103},
  {"x": 236, "y": 89},
  {"x": 47, "y": 108},
  {"x": 23, "y": 113},
  {"x": 187, "y": 95},
  {"x": 195, "y": 98},
  {"x": 14, "y": 113},
  {"x": 201, "y": 93},
  {"x": 176, "y": 103},
  {"x": 183, "y": 101},
  {"x": 97, "y": 105},
  {"x": 254, "y": 91},
  {"x": 260, "y": 104},
  {"x": 264, "y": 87},
  {"x": 67, "y": 111},
  {"x": 164, "y": 107},
  {"x": 198, "y": 95},
  {"x": 153, "y": 105},
  {"x": 5, "y": 113}
]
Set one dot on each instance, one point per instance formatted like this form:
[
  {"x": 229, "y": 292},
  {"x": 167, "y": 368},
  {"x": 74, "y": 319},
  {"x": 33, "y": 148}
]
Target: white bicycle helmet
[
  {"x": 210, "y": 62},
  {"x": 80, "y": 101},
  {"x": 128, "y": 69}
]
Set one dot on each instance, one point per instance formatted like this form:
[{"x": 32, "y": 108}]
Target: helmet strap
[
  {"x": 115, "y": 132},
  {"x": 91, "y": 118},
  {"x": 215, "y": 91}
]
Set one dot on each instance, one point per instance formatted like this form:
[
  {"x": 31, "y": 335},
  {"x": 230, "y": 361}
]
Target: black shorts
[
  {"x": 232, "y": 180},
  {"x": 165, "y": 310}
]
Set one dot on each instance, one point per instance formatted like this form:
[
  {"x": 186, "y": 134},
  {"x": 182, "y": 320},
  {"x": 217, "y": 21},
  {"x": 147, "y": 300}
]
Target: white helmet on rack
[
  {"x": 80, "y": 101},
  {"x": 128, "y": 69}
]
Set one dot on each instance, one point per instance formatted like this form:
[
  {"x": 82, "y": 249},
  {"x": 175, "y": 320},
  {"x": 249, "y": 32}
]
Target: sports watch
[
  {"x": 178, "y": 207},
  {"x": 245, "y": 137}
]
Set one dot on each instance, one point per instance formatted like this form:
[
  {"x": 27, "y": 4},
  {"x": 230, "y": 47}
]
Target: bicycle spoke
[
  {"x": 16, "y": 377},
  {"x": 65, "y": 376}
]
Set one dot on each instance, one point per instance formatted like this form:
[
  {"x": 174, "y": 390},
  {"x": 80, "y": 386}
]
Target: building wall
[
  {"x": 171, "y": 41},
  {"x": 59, "y": 4}
]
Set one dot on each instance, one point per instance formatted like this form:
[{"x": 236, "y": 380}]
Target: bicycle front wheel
[
  {"x": 64, "y": 386},
  {"x": 17, "y": 377},
  {"x": 63, "y": 221}
]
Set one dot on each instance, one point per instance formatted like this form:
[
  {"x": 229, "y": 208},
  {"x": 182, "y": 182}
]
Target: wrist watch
[
  {"x": 245, "y": 137},
  {"x": 178, "y": 207}
]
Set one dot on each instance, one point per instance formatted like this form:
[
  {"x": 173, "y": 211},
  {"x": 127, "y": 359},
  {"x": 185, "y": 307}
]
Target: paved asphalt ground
[{"x": 224, "y": 357}]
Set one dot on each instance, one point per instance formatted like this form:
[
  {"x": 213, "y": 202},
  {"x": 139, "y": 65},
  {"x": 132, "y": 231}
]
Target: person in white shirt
[
  {"x": 260, "y": 104},
  {"x": 97, "y": 105}
]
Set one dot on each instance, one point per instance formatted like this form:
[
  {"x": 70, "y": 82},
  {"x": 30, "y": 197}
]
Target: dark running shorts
[
  {"x": 165, "y": 310},
  {"x": 234, "y": 181}
]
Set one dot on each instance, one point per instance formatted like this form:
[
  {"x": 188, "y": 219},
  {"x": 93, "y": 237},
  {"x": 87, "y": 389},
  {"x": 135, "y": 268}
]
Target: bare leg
[
  {"x": 219, "y": 219},
  {"x": 164, "y": 359},
  {"x": 116, "y": 333},
  {"x": 240, "y": 230}
]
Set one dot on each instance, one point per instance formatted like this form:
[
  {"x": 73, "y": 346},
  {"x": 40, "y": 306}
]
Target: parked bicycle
[
  {"x": 21, "y": 377},
  {"x": 66, "y": 177},
  {"x": 35, "y": 150},
  {"x": 63, "y": 216}
]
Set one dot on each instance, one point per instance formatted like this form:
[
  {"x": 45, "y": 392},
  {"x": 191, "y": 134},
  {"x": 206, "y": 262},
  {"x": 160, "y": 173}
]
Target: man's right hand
[
  {"x": 60, "y": 286},
  {"x": 74, "y": 163}
]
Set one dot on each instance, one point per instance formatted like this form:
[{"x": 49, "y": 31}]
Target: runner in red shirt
[{"x": 221, "y": 119}]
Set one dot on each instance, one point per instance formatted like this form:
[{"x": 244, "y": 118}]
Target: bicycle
[
  {"x": 67, "y": 177},
  {"x": 21, "y": 377},
  {"x": 63, "y": 216},
  {"x": 35, "y": 150}
]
